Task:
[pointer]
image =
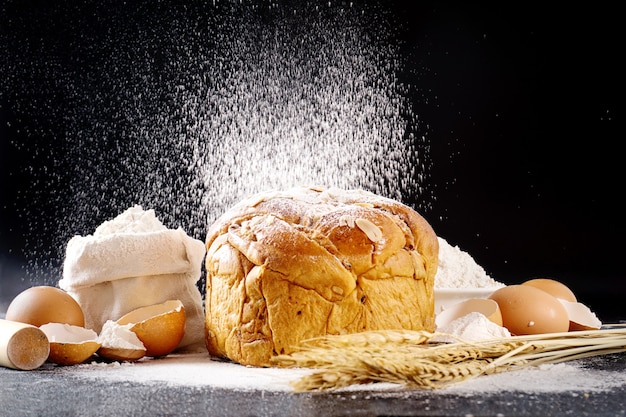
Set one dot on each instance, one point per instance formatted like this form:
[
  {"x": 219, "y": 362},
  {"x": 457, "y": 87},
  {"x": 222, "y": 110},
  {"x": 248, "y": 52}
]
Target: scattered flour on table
[
  {"x": 457, "y": 269},
  {"x": 544, "y": 378},
  {"x": 198, "y": 370}
]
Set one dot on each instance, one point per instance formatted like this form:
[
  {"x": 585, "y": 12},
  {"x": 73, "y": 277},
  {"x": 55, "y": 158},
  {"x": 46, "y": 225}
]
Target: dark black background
[{"x": 524, "y": 123}]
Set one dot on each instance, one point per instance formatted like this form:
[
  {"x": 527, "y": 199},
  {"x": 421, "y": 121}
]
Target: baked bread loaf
[{"x": 287, "y": 266}]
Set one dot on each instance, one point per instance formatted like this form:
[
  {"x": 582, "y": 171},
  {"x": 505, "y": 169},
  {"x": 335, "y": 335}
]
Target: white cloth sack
[{"x": 113, "y": 274}]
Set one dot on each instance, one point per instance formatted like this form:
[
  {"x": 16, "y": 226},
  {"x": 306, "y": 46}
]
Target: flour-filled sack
[{"x": 134, "y": 261}]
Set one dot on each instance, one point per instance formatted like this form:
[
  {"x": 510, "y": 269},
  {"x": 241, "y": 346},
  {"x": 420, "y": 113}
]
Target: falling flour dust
[{"x": 188, "y": 110}]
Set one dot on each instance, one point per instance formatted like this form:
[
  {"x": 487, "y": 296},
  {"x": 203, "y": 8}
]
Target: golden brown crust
[{"x": 287, "y": 266}]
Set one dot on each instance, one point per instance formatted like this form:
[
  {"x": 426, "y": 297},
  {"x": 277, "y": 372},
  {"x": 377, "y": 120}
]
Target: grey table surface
[{"x": 45, "y": 391}]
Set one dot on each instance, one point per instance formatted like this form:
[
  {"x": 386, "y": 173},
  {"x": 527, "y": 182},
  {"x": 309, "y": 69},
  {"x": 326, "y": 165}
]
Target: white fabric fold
[{"x": 90, "y": 260}]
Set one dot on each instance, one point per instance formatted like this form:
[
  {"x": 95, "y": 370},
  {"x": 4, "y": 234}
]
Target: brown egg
[
  {"x": 528, "y": 310},
  {"x": 43, "y": 304},
  {"x": 555, "y": 288}
]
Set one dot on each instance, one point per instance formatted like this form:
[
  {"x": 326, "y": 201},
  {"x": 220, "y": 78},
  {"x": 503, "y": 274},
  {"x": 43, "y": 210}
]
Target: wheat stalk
[{"x": 407, "y": 357}]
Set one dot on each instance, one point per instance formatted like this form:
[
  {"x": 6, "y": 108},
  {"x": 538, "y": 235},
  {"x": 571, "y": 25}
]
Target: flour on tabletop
[
  {"x": 199, "y": 370},
  {"x": 457, "y": 269}
]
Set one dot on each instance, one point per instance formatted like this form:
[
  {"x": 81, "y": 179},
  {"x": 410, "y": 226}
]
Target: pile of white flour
[
  {"x": 457, "y": 269},
  {"x": 472, "y": 327}
]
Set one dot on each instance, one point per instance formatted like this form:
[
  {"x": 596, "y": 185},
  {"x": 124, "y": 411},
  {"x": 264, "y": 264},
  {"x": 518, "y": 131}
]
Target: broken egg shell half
[
  {"x": 447, "y": 297},
  {"x": 489, "y": 308},
  {"x": 580, "y": 316},
  {"x": 119, "y": 343},
  {"x": 121, "y": 354},
  {"x": 69, "y": 344},
  {"x": 160, "y": 327}
]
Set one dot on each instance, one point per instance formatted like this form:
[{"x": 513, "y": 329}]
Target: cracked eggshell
[
  {"x": 488, "y": 308},
  {"x": 119, "y": 343},
  {"x": 69, "y": 344},
  {"x": 448, "y": 297},
  {"x": 121, "y": 354},
  {"x": 160, "y": 327},
  {"x": 580, "y": 316}
]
